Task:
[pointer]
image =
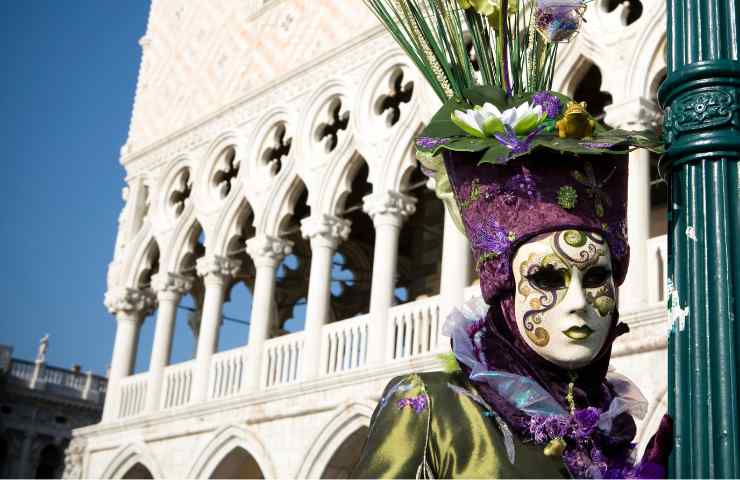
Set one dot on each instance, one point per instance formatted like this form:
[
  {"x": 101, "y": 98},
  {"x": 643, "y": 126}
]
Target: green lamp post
[{"x": 701, "y": 98}]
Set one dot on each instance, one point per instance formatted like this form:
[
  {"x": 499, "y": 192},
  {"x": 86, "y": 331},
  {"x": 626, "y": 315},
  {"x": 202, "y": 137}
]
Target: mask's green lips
[{"x": 578, "y": 333}]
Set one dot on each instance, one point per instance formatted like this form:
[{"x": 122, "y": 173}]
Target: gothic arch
[
  {"x": 372, "y": 85},
  {"x": 570, "y": 70},
  {"x": 649, "y": 59},
  {"x": 319, "y": 100},
  {"x": 229, "y": 221},
  {"x": 347, "y": 419},
  {"x": 397, "y": 169},
  {"x": 144, "y": 248},
  {"x": 181, "y": 241},
  {"x": 258, "y": 139},
  {"x": 280, "y": 205},
  {"x": 222, "y": 443},
  {"x": 127, "y": 457},
  {"x": 338, "y": 182}
]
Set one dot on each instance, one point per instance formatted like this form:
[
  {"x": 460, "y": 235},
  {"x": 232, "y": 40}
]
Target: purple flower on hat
[
  {"x": 550, "y": 103},
  {"x": 518, "y": 146}
]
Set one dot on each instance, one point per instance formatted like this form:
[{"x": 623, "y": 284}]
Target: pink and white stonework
[{"x": 283, "y": 132}]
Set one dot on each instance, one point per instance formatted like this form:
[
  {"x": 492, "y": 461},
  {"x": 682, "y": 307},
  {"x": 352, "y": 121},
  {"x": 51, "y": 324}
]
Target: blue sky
[{"x": 67, "y": 89}]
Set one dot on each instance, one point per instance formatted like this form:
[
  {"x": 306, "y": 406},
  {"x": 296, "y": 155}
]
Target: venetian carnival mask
[{"x": 565, "y": 296}]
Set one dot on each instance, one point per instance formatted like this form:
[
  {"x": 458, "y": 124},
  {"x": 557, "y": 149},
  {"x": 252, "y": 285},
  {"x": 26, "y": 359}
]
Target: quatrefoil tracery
[
  {"x": 338, "y": 120},
  {"x": 181, "y": 190},
  {"x": 227, "y": 170},
  {"x": 274, "y": 155},
  {"x": 400, "y": 93}
]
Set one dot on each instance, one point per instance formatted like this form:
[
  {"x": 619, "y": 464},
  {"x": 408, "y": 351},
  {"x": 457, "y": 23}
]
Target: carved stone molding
[
  {"x": 73, "y": 459},
  {"x": 268, "y": 250},
  {"x": 216, "y": 266},
  {"x": 130, "y": 300},
  {"x": 392, "y": 205},
  {"x": 638, "y": 114},
  {"x": 332, "y": 230},
  {"x": 171, "y": 282}
]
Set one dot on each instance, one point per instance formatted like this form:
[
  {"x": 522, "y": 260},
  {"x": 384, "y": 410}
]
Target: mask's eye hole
[
  {"x": 596, "y": 277},
  {"x": 548, "y": 278}
]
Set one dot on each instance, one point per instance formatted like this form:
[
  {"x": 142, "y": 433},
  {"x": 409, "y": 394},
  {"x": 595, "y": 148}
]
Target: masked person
[
  {"x": 539, "y": 188},
  {"x": 533, "y": 396}
]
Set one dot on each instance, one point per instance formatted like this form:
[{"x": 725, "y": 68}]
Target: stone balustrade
[{"x": 413, "y": 331}]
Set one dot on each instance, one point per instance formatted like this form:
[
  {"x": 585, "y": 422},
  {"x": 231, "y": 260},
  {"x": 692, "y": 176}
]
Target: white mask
[{"x": 565, "y": 296}]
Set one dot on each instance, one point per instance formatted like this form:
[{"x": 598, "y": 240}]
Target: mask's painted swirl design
[{"x": 541, "y": 298}]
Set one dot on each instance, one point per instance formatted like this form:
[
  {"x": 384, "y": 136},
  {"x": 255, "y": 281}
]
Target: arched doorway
[
  {"x": 347, "y": 455},
  {"x": 138, "y": 471},
  {"x": 237, "y": 464},
  {"x": 51, "y": 462}
]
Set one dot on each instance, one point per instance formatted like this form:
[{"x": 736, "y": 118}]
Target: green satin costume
[{"x": 453, "y": 436}]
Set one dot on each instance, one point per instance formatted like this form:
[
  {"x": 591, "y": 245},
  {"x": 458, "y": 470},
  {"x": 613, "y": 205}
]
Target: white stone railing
[
  {"x": 132, "y": 394},
  {"x": 657, "y": 268},
  {"x": 415, "y": 327},
  {"x": 281, "y": 358},
  {"x": 228, "y": 371},
  {"x": 70, "y": 381},
  {"x": 344, "y": 345},
  {"x": 21, "y": 369},
  {"x": 178, "y": 381},
  {"x": 414, "y": 331}
]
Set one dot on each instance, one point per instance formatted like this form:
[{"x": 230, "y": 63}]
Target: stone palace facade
[
  {"x": 271, "y": 145},
  {"x": 40, "y": 405}
]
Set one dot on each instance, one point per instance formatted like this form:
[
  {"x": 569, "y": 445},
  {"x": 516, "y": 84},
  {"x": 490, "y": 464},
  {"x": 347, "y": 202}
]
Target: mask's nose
[{"x": 575, "y": 298}]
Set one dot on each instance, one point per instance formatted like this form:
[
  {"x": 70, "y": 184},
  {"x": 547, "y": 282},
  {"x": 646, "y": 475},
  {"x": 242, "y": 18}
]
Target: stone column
[
  {"x": 325, "y": 233},
  {"x": 388, "y": 211},
  {"x": 456, "y": 263},
  {"x": 216, "y": 272},
  {"x": 130, "y": 306},
  {"x": 267, "y": 252},
  {"x": 636, "y": 114},
  {"x": 169, "y": 288}
]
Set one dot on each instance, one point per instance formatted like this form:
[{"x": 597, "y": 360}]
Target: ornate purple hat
[{"x": 503, "y": 206}]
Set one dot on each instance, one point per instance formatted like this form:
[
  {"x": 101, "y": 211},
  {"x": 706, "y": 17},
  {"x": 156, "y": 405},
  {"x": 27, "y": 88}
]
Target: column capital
[
  {"x": 217, "y": 267},
  {"x": 327, "y": 229},
  {"x": 267, "y": 250},
  {"x": 637, "y": 114},
  {"x": 171, "y": 283},
  {"x": 129, "y": 300},
  {"x": 389, "y": 206}
]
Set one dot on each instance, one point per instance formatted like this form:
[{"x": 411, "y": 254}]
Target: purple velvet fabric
[{"x": 503, "y": 206}]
